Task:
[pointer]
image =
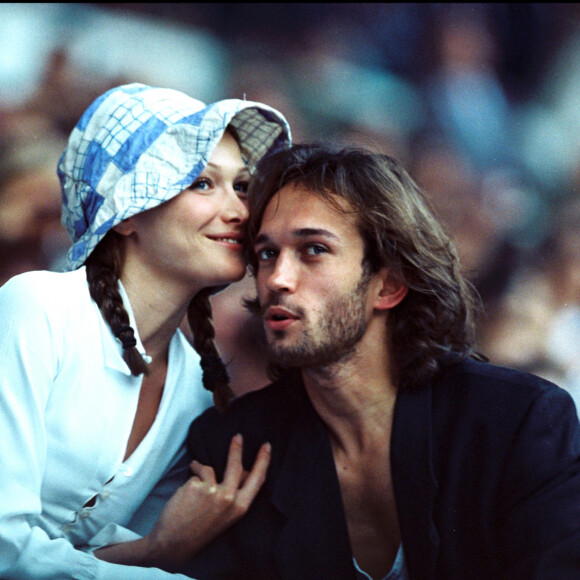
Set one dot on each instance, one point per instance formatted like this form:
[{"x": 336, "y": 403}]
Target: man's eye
[
  {"x": 265, "y": 254},
  {"x": 316, "y": 250}
]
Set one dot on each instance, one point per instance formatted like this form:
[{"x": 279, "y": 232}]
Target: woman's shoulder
[
  {"x": 39, "y": 279},
  {"x": 44, "y": 289}
]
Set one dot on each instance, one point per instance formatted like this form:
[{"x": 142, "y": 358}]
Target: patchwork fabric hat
[{"x": 137, "y": 146}]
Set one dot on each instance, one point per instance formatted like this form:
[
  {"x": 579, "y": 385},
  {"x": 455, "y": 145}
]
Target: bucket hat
[{"x": 138, "y": 146}]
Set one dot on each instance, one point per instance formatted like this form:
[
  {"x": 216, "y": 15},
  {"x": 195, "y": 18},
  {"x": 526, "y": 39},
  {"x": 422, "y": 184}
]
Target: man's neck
[{"x": 355, "y": 398}]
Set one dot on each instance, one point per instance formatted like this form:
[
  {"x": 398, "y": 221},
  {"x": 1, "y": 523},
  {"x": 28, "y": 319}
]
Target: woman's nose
[{"x": 236, "y": 209}]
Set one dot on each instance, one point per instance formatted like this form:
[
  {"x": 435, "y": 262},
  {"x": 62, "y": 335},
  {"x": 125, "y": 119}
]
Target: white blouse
[{"x": 67, "y": 404}]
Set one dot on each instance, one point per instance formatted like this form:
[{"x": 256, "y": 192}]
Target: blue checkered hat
[{"x": 137, "y": 146}]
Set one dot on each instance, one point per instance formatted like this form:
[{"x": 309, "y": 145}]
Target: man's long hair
[{"x": 435, "y": 323}]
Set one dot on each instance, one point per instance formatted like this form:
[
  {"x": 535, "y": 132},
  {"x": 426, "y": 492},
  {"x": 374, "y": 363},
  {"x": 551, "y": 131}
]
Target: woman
[{"x": 98, "y": 384}]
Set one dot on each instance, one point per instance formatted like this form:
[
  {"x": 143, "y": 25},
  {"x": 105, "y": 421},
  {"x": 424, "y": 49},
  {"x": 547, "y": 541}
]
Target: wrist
[
  {"x": 142, "y": 552},
  {"x": 154, "y": 551}
]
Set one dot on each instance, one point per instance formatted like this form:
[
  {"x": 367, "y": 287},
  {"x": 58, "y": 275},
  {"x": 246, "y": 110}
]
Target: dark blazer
[{"x": 486, "y": 472}]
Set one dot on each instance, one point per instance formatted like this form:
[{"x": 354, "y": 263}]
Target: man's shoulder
[
  {"x": 268, "y": 414},
  {"x": 483, "y": 389},
  {"x": 487, "y": 377},
  {"x": 275, "y": 402}
]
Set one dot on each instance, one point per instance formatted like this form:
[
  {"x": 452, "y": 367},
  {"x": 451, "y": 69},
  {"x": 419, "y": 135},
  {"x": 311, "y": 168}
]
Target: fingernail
[
  {"x": 238, "y": 437},
  {"x": 268, "y": 447}
]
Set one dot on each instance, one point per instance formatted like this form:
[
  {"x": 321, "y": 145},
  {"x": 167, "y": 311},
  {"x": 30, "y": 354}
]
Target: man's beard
[{"x": 341, "y": 326}]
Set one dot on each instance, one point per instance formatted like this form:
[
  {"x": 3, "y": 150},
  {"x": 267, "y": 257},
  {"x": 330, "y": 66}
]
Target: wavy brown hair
[
  {"x": 435, "y": 323},
  {"x": 103, "y": 268}
]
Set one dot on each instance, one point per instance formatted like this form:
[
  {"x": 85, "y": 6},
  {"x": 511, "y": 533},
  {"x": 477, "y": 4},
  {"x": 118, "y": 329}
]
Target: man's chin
[
  {"x": 286, "y": 357},
  {"x": 292, "y": 359},
  {"x": 320, "y": 358}
]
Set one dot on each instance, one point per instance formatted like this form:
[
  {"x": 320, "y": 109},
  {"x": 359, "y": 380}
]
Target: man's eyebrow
[{"x": 301, "y": 233}]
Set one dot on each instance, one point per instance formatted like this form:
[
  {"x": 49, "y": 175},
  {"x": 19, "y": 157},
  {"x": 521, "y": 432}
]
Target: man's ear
[
  {"x": 391, "y": 291},
  {"x": 126, "y": 227}
]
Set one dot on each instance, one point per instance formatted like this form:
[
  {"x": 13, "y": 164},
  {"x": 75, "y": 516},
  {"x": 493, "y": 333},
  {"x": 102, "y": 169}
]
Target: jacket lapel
[
  {"x": 307, "y": 485},
  {"x": 414, "y": 480},
  {"x": 314, "y": 536}
]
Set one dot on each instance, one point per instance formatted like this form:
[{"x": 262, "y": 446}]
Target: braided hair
[
  {"x": 103, "y": 268},
  {"x": 215, "y": 374}
]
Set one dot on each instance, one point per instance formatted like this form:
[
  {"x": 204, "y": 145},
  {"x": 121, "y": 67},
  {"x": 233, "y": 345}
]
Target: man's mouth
[{"x": 278, "y": 318}]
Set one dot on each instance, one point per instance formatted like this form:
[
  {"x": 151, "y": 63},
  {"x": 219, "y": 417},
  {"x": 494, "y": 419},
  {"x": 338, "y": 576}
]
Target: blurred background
[{"x": 481, "y": 102}]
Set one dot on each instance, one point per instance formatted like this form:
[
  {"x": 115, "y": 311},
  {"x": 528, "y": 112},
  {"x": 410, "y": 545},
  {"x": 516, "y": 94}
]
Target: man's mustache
[{"x": 254, "y": 306}]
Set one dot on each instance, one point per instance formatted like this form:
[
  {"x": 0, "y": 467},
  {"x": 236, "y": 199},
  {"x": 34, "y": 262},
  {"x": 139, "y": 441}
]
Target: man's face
[{"x": 312, "y": 287}]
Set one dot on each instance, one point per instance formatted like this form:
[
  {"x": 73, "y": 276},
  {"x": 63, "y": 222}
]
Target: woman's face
[{"x": 196, "y": 237}]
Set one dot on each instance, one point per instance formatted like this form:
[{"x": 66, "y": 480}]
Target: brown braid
[
  {"x": 215, "y": 374},
  {"x": 103, "y": 271}
]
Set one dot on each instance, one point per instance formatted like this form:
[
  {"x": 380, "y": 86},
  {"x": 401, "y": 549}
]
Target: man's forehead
[
  {"x": 299, "y": 233},
  {"x": 300, "y": 212},
  {"x": 298, "y": 199}
]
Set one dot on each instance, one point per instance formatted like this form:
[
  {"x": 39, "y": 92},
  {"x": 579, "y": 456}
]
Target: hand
[{"x": 202, "y": 508}]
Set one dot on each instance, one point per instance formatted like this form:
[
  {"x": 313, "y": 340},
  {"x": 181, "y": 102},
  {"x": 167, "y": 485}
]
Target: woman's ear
[
  {"x": 126, "y": 227},
  {"x": 391, "y": 291}
]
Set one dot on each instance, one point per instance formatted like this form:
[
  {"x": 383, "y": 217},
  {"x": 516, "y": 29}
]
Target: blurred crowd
[{"x": 480, "y": 101}]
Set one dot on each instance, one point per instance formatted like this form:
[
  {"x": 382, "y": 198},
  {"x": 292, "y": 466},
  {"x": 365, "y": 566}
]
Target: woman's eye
[
  {"x": 201, "y": 184},
  {"x": 241, "y": 186}
]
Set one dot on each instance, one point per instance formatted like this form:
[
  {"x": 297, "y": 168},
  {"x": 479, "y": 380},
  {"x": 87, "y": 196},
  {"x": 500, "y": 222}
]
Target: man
[{"x": 397, "y": 452}]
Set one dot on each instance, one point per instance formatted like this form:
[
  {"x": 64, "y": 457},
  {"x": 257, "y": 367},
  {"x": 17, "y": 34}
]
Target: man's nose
[{"x": 284, "y": 276}]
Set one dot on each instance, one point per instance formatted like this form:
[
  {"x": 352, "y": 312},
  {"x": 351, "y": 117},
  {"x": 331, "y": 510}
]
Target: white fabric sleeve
[
  {"x": 148, "y": 513},
  {"x": 29, "y": 351}
]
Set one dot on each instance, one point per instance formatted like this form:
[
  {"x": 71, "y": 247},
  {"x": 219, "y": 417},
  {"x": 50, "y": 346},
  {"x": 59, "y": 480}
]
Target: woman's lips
[{"x": 233, "y": 241}]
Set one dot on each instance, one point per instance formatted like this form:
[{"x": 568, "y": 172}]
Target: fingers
[
  {"x": 201, "y": 508},
  {"x": 203, "y": 473},
  {"x": 254, "y": 480},
  {"x": 238, "y": 485},
  {"x": 234, "y": 469}
]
